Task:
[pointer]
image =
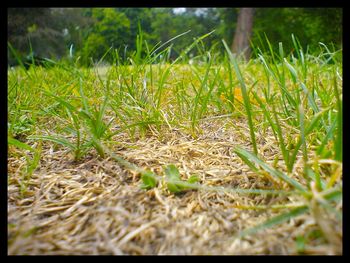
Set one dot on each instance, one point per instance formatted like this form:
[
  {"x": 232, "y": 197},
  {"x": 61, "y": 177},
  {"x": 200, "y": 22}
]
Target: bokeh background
[{"x": 87, "y": 33}]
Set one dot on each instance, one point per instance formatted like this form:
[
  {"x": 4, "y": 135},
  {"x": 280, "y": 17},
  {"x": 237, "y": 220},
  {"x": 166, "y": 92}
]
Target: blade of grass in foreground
[
  {"x": 162, "y": 45},
  {"x": 33, "y": 164},
  {"x": 19, "y": 144},
  {"x": 164, "y": 75},
  {"x": 14, "y": 52},
  {"x": 271, "y": 170},
  {"x": 275, "y": 220},
  {"x": 308, "y": 173},
  {"x": 326, "y": 138},
  {"x": 281, "y": 141},
  {"x": 60, "y": 140},
  {"x": 199, "y": 100},
  {"x": 338, "y": 144},
  {"x": 245, "y": 97},
  {"x": 314, "y": 123}
]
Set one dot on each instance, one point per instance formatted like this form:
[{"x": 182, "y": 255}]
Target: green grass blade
[
  {"x": 245, "y": 97},
  {"x": 188, "y": 49},
  {"x": 149, "y": 180},
  {"x": 248, "y": 162},
  {"x": 275, "y": 220},
  {"x": 84, "y": 99},
  {"x": 266, "y": 113},
  {"x": 62, "y": 101},
  {"x": 271, "y": 170},
  {"x": 302, "y": 133},
  {"x": 338, "y": 144},
  {"x": 280, "y": 136},
  {"x": 60, "y": 140},
  {"x": 14, "y": 52},
  {"x": 315, "y": 121},
  {"x": 311, "y": 99},
  {"x": 292, "y": 71},
  {"x": 327, "y": 137},
  {"x": 18, "y": 144},
  {"x": 165, "y": 43},
  {"x": 35, "y": 162},
  {"x": 333, "y": 194}
]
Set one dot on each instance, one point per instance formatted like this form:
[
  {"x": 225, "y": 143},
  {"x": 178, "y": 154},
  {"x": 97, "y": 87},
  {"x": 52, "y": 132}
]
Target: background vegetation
[{"x": 87, "y": 33}]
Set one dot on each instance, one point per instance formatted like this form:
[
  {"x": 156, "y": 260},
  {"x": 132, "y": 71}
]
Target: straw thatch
[{"x": 94, "y": 206}]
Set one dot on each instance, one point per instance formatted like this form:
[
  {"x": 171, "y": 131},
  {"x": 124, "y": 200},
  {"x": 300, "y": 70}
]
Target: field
[{"x": 209, "y": 156}]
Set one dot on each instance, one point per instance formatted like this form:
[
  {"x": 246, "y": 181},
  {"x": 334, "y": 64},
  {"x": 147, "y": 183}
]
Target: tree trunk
[{"x": 241, "y": 44}]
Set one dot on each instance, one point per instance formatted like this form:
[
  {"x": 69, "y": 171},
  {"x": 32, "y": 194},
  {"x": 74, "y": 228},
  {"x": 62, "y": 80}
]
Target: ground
[
  {"x": 266, "y": 149},
  {"x": 94, "y": 206}
]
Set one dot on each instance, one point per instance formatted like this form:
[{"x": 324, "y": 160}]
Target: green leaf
[
  {"x": 308, "y": 129},
  {"x": 173, "y": 175},
  {"x": 16, "y": 55},
  {"x": 174, "y": 182},
  {"x": 311, "y": 100},
  {"x": 332, "y": 194},
  {"x": 326, "y": 138},
  {"x": 281, "y": 141},
  {"x": 149, "y": 180},
  {"x": 193, "y": 179},
  {"x": 172, "y": 172}
]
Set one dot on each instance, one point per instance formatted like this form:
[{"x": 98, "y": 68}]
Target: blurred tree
[
  {"x": 33, "y": 27},
  {"x": 107, "y": 31},
  {"x": 241, "y": 40},
  {"x": 163, "y": 25},
  {"x": 227, "y": 23},
  {"x": 22, "y": 20},
  {"x": 198, "y": 21},
  {"x": 309, "y": 25},
  {"x": 144, "y": 16},
  {"x": 323, "y": 25},
  {"x": 92, "y": 31},
  {"x": 74, "y": 23}
]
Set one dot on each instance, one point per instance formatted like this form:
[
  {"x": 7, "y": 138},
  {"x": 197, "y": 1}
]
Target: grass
[
  {"x": 292, "y": 107},
  {"x": 31, "y": 163}
]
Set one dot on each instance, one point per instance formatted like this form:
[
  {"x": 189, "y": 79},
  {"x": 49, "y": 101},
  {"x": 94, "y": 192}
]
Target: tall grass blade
[
  {"x": 275, "y": 220},
  {"x": 14, "y": 52},
  {"x": 245, "y": 97},
  {"x": 60, "y": 140},
  {"x": 272, "y": 171},
  {"x": 19, "y": 144},
  {"x": 314, "y": 123},
  {"x": 338, "y": 144}
]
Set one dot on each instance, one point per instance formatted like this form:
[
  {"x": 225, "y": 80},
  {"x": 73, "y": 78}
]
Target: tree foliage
[
  {"x": 90, "y": 32},
  {"x": 310, "y": 25}
]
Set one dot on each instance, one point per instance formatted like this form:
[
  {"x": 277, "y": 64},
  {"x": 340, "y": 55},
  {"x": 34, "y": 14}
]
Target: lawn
[{"x": 209, "y": 156}]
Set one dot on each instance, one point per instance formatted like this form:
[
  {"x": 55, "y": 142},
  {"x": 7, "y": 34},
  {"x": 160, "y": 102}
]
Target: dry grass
[{"x": 96, "y": 207}]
